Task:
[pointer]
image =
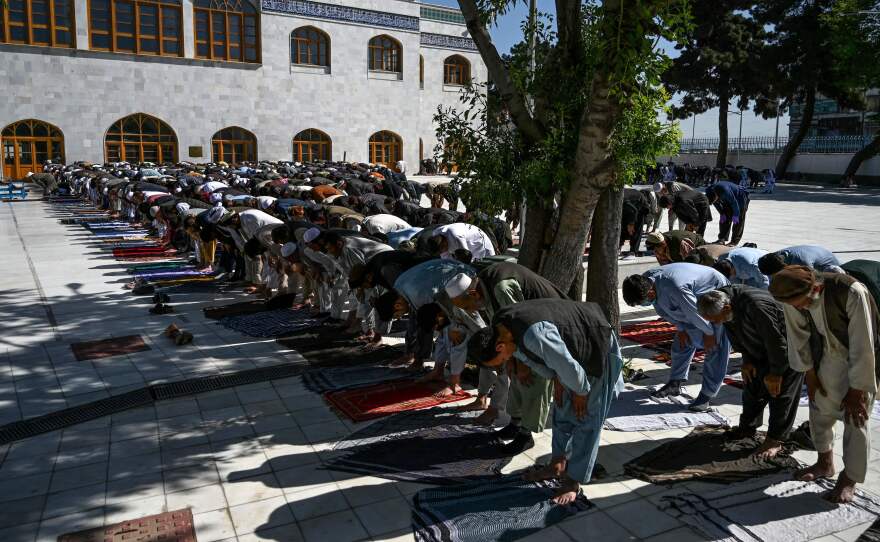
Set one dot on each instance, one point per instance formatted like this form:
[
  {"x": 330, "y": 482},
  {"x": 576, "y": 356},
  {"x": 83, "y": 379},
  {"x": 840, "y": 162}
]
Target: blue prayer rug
[
  {"x": 271, "y": 323},
  {"x": 504, "y": 509}
]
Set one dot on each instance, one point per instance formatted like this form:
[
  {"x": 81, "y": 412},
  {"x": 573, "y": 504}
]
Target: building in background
[
  {"x": 212, "y": 80},
  {"x": 831, "y": 120}
]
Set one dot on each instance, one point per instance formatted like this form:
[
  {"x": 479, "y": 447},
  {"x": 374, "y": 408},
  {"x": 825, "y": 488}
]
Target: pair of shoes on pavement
[
  {"x": 179, "y": 336},
  {"x": 162, "y": 308},
  {"x": 520, "y": 439},
  {"x": 673, "y": 389}
]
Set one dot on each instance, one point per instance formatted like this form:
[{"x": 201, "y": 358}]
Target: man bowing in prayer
[
  {"x": 572, "y": 344},
  {"x": 832, "y": 328},
  {"x": 673, "y": 291},
  {"x": 755, "y": 324}
]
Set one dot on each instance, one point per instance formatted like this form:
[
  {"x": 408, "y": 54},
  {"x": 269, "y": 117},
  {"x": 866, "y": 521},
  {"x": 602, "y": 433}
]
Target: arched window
[
  {"x": 140, "y": 138},
  {"x": 385, "y": 54},
  {"x": 38, "y": 22},
  {"x": 227, "y": 30},
  {"x": 421, "y": 71},
  {"x": 309, "y": 46},
  {"x": 456, "y": 71},
  {"x": 234, "y": 145},
  {"x": 310, "y": 145},
  {"x": 27, "y": 144},
  {"x": 143, "y": 27},
  {"x": 386, "y": 148}
]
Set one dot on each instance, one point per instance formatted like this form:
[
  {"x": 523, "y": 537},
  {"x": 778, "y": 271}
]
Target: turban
[
  {"x": 215, "y": 197},
  {"x": 458, "y": 285},
  {"x": 658, "y": 187},
  {"x": 287, "y": 249},
  {"x": 264, "y": 202},
  {"x": 154, "y": 210},
  {"x": 311, "y": 234},
  {"x": 654, "y": 238},
  {"x": 792, "y": 282},
  {"x": 182, "y": 207},
  {"x": 214, "y": 214}
]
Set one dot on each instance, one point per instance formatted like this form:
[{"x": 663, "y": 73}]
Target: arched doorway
[
  {"x": 27, "y": 144},
  {"x": 311, "y": 145},
  {"x": 140, "y": 138},
  {"x": 386, "y": 148},
  {"x": 234, "y": 145}
]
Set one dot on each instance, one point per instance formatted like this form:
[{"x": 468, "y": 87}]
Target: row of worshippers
[
  {"x": 797, "y": 316},
  {"x": 688, "y": 208}
]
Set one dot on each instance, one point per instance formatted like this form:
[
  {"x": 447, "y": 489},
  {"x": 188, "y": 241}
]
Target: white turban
[
  {"x": 182, "y": 207},
  {"x": 658, "y": 187},
  {"x": 264, "y": 202},
  {"x": 214, "y": 214},
  {"x": 458, "y": 285},
  {"x": 287, "y": 249},
  {"x": 311, "y": 234},
  {"x": 215, "y": 197}
]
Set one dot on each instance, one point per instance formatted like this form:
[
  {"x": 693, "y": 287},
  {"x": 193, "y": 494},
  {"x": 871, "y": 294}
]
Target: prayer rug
[
  {"x": 341, "y": 378},
  {"x": 351, "y": 355},
  {"x": 140, "y": 252},
  {"x": 499, "y": 510},
  {"x": 433, "y": 446},
  {"x": 735, "y": 380},
  {"x": 710, "y": 455},
  {"x": 635, "y": 410},
  {"x": 655, "y": 335},
  {"x": 175, "y": 526},
  {"x": 106, "y": 348},
  {"x": 179, "y": 264},
  {"x": 160, "y": 274},
  {"x": 271, "y": 323},
  {"x": 771, "y": 509},
  {"x": 387, "y": 398},
  {"x": 235, "y": 309},
  {"x": 184, "y": 280}
]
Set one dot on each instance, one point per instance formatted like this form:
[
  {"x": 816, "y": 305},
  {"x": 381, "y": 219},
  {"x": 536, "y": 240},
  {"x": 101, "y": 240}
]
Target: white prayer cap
[
  {"x": 214, "y": 214},
  {"x": 658, "y": 187},
  {"x": 458, "y": 285},
  {"x": 178, "y": 190},
  {"x": 154, "y": 210},
  {"x": 29, "y": 173},
  {"x": 264, "y": 202},
  {"x": 311, "y": 234},
  {"x": 106, "y": 190},
  {"x": 215, "y": 197},
  {"x": 182, "y": 207},
  {"x": 287, "y": 249},
  {"x": 129, "y": 194}
]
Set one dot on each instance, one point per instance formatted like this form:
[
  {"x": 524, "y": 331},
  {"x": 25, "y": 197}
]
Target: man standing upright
[
  {"x": 755, "y": 325},
  {"x": 832, "y": 328}
]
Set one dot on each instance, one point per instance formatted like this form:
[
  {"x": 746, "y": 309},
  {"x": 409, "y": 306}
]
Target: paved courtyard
[{"x": 248, "y": 460}]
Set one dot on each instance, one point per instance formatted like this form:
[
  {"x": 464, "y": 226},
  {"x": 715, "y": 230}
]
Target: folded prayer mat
[
  {"x": 636, "y": 410},
  {"x": 433, "y": 446},
  {"x": 709, "y": 454},
  {"x": 771, "y": 509},
  {"x": 271, "y": 323},
  {"x": 655, "y": 335},
  {"x": 235, "y": 309},
  {"x": 106, "y": 348},
  {"x": 498, "y": 510},
  {"x": 386, "y": 398},
  {"x": 340, "y": 378}
]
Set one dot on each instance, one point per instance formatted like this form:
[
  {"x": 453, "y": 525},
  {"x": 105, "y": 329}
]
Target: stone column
[
  {"x": 189, "y": 29},
  {"x": 81, "y": 14}
]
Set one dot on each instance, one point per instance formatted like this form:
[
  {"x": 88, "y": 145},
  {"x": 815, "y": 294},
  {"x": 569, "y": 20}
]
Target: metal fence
[{"x": 770, "y": 144}]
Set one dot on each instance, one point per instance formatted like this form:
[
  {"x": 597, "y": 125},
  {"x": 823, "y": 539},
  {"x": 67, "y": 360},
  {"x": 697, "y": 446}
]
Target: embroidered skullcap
[
  {"x": 792, "y": 282},
  {"x": 458, "y": 285},
  {"x": 654, "y": 238},
  {"x": 311, "y": 234},
  {"x": 287, "y": 249}
]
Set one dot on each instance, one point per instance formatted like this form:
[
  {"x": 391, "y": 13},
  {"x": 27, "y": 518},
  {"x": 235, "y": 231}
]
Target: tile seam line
[{"x": 50, "y": 316}]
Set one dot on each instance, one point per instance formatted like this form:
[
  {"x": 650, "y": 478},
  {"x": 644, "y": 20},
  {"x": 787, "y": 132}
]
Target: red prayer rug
[
  {"x": 656, "y": 335},
  {"x": 175, "y": 526},
  {"x": 386, "y": 398},
  {"x": 106, "y": 348}
]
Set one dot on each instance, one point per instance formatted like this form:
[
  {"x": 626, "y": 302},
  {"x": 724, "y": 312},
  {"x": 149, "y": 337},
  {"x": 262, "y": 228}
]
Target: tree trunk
[
  {"x": 593, "y": 173},
  {"x": 791, "y": 148},
  {"x": 533, "y": 243},
  {"x": 723, "y": 107},
  {"x": 868, "y": 151},
  {"x": 604, "y": 246}
]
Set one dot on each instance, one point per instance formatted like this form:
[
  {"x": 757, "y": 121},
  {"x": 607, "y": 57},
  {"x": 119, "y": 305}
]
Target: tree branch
[{"x": 512, "y": 98}]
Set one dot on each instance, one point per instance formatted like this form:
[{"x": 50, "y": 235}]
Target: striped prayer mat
[
  {"x": 771, "y": 509},
  {"x": 235, "y": 309},
  {"x": 498, "y": 510},
  {"x": 168, "y": 274},
  {"x": 655, "y": 335},
  {"x": 709, "y": 455},
  {"x": 386, "y": 398},
  {"x": 328, "y": 379},
  {"x": 435, "y": 446},
  {"x": 271, "y": 323}
]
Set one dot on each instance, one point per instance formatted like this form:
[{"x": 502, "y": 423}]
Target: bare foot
[
  {"x": 814, "y": 472},
  {"x": 550, "y": 471},
  {"x": 567, "y": 492},
  {"x": 844, "y": 491},
  {"x": 480, "y": 403},
  {"x": 445, "y": 392},
  {"x": 768, "y": 449},
  {"x": 487, "y": 417},
  {"x": 250, "y": 289}
]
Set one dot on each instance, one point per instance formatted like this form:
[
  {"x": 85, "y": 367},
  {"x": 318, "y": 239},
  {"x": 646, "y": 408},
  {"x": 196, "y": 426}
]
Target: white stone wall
[{"x": 83, "y": 92}]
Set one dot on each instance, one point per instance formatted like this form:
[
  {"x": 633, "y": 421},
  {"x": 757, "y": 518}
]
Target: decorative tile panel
[
  {"x": 447, "y": 42},
  {"x": 342, "y": 13}
]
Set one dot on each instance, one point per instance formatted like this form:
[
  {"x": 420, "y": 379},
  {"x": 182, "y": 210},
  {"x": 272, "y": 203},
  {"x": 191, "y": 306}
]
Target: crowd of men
[{"x": 355, "y": 238}]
